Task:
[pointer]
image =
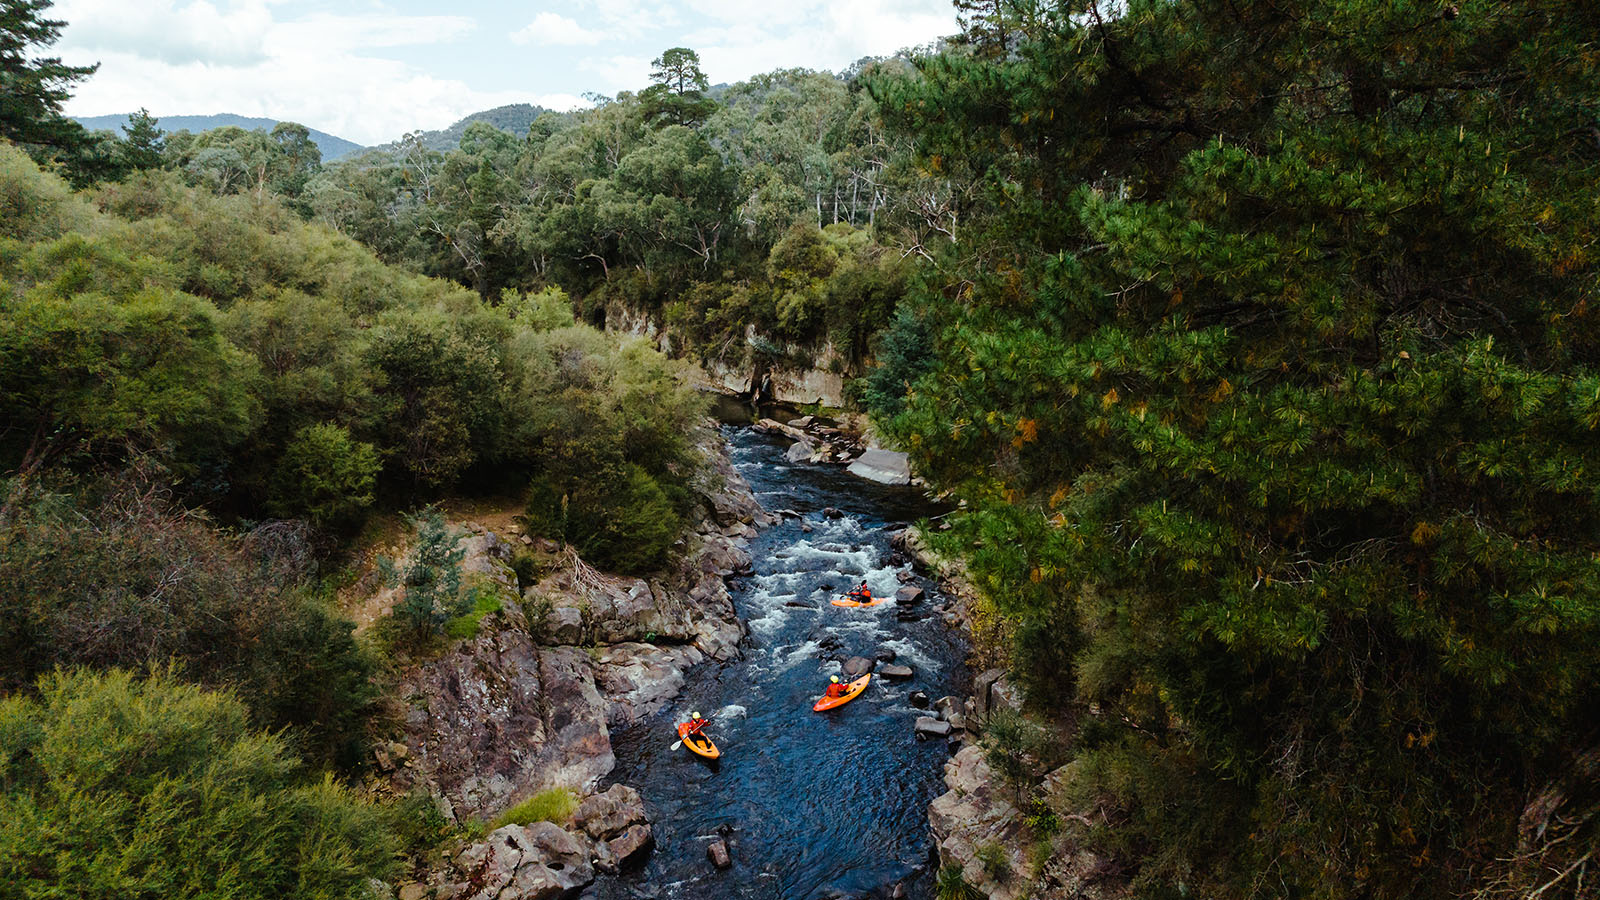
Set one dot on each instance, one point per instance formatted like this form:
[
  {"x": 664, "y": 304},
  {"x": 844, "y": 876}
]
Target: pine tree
[
  {"x": 143, "y": 141},
  {"x": 33, "y": 89},
  {"x": 1269, "y": 372}
]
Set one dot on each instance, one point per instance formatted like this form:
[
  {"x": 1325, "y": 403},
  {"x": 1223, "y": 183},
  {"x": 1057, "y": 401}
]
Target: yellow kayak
[{"x": 698, "y": 743}]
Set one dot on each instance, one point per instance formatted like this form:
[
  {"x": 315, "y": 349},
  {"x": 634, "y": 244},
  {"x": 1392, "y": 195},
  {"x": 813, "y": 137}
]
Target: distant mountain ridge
[
  {"x": 513, "y": 118},
  {"x": 332, "y": 146}
]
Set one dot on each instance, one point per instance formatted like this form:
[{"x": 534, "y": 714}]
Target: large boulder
[
  {"x": 626, "y": 847},
  {"x": 534, "y": 862},
  {"x": 609, "y": 814},
  {"x": 487, "y": 557},
  {"x": 639, "y": 679},
  {"x": 800, "y": 451},
  {"x": 563, "y": 625},
  {"x": 856, "y": 666},
  {"x": 882, "y": 466},
  {"x": 616, "y": 821}
]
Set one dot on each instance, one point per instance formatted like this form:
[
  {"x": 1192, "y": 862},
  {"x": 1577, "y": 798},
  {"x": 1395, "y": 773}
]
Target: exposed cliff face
[
  {"x": 498, "y": 719},
  {"x": 820, "y": 381},
  {"x": 979, "y": 822},
  {"x": 528, "y": 703}
]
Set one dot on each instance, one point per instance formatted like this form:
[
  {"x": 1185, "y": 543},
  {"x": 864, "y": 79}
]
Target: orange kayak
[
  {"x": 855, "y": 689},
  {"x": 698, "y": 743},
  {"x": 853, "y": 604}
]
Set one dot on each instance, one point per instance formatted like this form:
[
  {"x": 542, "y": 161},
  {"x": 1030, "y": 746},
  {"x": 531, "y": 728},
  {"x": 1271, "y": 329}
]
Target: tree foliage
[
  {"x": 1264, "y": 363},
  {"x": 32, "y": 89},
  {"x": 114, "y": 786}
]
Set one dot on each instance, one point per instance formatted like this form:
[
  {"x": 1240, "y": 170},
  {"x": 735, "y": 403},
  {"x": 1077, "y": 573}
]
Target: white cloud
[
  {"x": 193, "y": 58},
  {"x": 619, "y": 73},
  {"x": 550, "y": 28},
  {"x": 369, "y": 73},
  {"x": 168, "y": 31}
]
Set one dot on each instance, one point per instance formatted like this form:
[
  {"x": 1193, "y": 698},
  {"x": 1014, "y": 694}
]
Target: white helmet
[{"x": 694, "y": 715}]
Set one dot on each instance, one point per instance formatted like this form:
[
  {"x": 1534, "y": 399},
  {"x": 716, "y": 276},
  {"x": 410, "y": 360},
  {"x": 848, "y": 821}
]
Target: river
[{"x": 814, "y": 805}]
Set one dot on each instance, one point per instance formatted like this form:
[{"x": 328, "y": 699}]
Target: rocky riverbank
[
  {"x": 1006, "y": 840},
  {"x": 819, "y": 440},
  {"x": 528, "y": 703}
]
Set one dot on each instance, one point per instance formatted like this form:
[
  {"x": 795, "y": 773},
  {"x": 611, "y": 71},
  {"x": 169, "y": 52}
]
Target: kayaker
[
  {"x": 696, "y": 724},
  {"x": 835, "y": 689},
  {"x": 862, "y": 593}
]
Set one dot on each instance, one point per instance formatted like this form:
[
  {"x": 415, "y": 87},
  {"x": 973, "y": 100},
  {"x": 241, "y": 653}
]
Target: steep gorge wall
[{"x": 822, "y": 381}]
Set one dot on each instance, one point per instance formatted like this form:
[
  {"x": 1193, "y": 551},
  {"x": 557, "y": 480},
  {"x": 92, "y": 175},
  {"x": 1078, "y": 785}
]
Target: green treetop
[{"x": 678, "y": 95}]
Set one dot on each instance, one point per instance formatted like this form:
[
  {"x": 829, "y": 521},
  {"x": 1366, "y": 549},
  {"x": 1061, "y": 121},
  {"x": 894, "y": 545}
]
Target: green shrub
[
  {"x": 116, "y": 786},
  {"x": 430, "y": 578},
  {"x": 527, "y": 567},
  {"x": 994, "y": 861},
  {"x": 114, "y": 573},
  {"x": 325, "y": 476},
  {"x": 553, "y": 805},
  {"x": 952, "y": 885}
]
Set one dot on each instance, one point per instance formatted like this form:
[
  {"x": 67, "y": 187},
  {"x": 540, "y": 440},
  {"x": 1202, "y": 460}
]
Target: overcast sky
[{"x": 370, "y": 71}]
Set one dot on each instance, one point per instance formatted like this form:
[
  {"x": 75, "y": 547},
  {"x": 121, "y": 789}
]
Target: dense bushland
[
  {"x": 1267, "y": 366},
  {"x": 277, "y": 368},
  {"x": 119, "y": 786}
]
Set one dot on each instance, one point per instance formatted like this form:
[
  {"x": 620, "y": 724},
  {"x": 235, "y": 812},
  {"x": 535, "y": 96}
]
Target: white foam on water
[
  {"x": 907, "y": 653},
  {"x": 731, "y": 711}
]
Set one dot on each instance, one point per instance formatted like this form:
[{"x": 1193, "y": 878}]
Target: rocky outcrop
[
  {"x": 541, "y": 861},
  {"x": 615, "y": 821},
  {"x": 639, "y": 679},
  {"x": 545, "y": 860},
  {"x": 498, "y": 719},
  {"x": 973, "y": 815}
]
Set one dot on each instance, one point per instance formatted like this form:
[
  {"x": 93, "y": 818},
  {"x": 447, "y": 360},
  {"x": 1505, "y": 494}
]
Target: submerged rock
[
  {"x": 717, "y": 852},
  {"x": 897, "y": 673}
]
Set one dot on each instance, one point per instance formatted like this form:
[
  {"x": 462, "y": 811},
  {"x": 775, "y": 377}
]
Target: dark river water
[{"x": 814, "y": 805}]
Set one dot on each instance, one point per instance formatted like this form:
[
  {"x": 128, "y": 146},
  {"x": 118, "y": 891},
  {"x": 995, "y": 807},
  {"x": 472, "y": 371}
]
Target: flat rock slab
[
  {"x": 899, "y": 673},
  {"x": 882, "y": 466},
  {"x": 931, "y": 727}
]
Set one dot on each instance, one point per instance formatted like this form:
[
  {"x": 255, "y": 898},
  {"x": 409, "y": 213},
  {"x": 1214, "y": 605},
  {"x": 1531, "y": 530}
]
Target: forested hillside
[{"x": 332, "y": 146}]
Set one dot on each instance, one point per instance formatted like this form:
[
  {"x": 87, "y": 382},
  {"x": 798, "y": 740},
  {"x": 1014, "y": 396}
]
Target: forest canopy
[{"x": 1267, "y": 367}]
